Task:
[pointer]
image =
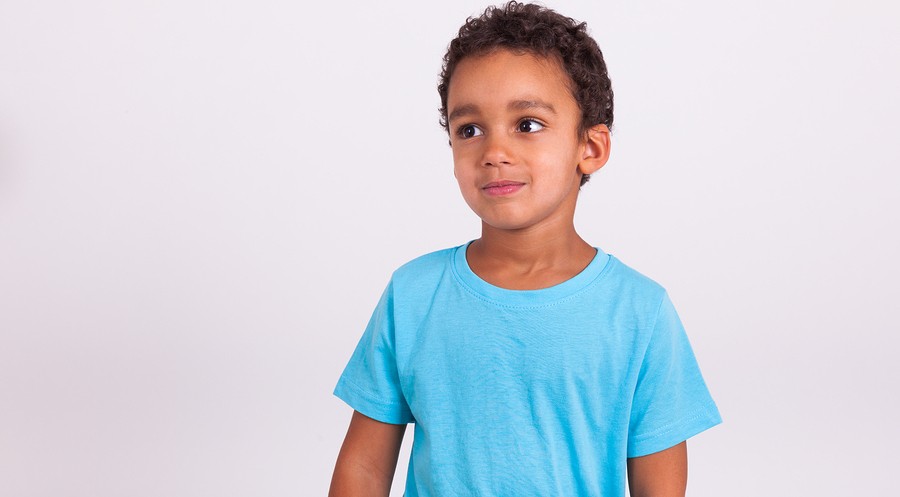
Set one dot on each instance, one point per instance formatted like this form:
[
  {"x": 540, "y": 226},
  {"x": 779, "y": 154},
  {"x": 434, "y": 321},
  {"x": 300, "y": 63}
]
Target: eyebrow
[
  {"x": 530, "y": 104},
  {"x": 472, "y": 109}
]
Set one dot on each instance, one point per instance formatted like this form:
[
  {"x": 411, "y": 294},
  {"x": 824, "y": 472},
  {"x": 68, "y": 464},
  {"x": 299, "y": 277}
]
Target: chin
[
  {"x": 506, "y": 224},
  {"x": 503, "y": 218}
]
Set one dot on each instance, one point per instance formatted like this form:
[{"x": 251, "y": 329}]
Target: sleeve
[
  {"x": 671, "y": 402},
  {"x": 370, "y": 383}
]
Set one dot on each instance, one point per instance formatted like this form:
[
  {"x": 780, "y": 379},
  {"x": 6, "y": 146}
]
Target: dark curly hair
[{"x": 530, "y": 28}]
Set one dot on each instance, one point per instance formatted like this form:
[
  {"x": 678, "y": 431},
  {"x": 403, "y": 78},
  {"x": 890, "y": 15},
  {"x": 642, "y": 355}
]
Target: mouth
[{"x": 502, "y": 187}]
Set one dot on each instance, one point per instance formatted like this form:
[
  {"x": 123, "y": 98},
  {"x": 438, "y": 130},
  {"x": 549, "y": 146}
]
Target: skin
[
  {"x": 661, "y": 474},
  {"x": 368, "y": 458},
  {"x": 528, "y": 239},
  {"x": 512, "y": 118}
]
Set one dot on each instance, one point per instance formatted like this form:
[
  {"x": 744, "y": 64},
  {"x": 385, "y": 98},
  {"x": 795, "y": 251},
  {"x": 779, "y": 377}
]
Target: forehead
[{"x": 502, "y": 76}]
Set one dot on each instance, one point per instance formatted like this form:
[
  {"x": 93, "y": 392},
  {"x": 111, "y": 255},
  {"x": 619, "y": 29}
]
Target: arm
[
  {"x": 663, "y": 474},
  {"x": 365, "y": 466}
]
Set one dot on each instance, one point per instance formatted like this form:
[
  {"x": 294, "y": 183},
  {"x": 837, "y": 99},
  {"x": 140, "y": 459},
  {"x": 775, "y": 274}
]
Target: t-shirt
[{"x": 526, "y": 392}]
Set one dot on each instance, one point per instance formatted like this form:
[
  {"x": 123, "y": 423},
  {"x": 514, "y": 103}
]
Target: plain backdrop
[{"x": 200, "y": 203}]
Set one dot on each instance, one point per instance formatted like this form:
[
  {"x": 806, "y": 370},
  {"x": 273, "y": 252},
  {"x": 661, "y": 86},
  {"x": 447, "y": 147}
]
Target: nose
[{"x": 497, "y": 150}]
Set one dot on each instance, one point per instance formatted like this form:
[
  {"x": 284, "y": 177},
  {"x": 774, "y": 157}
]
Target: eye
[
  {"x": 529, "y": 126},
  {"x": 469, "y": 131}
]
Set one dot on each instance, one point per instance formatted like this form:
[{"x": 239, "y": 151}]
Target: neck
[
  {"x": 535, "y": 247},
  {"x": 528, "y": 259}
]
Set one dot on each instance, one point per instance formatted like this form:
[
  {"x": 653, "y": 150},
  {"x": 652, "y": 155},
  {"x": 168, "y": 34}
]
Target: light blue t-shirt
[{"x": 525, "y": 393}]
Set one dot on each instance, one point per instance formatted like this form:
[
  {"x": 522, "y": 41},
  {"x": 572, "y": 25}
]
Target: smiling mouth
[{"x": 499, "y": 188}]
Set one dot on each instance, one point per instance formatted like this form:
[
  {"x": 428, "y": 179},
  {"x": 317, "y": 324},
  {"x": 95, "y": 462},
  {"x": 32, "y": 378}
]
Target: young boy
[{"x": 530, "y": 362}]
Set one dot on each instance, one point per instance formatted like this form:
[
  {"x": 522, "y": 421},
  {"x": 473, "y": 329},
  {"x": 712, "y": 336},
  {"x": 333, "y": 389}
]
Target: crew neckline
[{"x": 527, "y": 298}]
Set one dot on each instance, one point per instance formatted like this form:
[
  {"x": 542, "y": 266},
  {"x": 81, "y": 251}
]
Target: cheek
[
  {"x": 460, "y": 169},
  {"x": 460, "y": 174}
]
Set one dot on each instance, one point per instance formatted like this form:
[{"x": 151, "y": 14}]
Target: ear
[{"x": 596, "y": 149}]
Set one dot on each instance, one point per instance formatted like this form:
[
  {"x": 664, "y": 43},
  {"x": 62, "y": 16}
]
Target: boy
[{"x": 531, "y": 363}]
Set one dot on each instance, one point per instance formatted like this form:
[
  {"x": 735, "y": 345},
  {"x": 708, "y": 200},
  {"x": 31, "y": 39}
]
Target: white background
[{"x": 200, "y": 203}]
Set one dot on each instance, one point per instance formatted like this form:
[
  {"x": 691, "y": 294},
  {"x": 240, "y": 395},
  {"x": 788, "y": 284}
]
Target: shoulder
[
  {"x": 632, "y": 292},
  {"x": 415, "y": 285},
  {"x": 429, "y": 261},
  {"x": 423, "y": 271},
  {"x": 626, "y": 278}
]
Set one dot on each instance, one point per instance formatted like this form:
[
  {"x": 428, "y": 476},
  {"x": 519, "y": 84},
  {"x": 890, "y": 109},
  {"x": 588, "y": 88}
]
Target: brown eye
[
  {"x": 529, "y": 126},
  {"x": 469, "y": 131}
]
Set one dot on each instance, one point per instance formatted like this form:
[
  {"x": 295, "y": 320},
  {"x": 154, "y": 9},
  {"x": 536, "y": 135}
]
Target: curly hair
[{"x": 530, "y": 28}]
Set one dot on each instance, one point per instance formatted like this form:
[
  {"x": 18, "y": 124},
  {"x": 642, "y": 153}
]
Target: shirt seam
[
  {"x": 367, "y": 396},
  {"x": 666, "y": 429}
]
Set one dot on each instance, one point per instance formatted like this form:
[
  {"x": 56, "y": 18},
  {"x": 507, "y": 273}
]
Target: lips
[{"x": 502, "y": 187}]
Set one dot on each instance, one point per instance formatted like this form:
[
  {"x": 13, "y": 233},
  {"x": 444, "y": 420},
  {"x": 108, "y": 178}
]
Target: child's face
[{"x": 517, "y": 153}]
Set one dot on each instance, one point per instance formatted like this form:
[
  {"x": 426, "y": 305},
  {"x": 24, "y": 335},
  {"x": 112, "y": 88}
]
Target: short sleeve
[
  {"x": 370, "y": 383},
  {"x": 671, "y": 401}
]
